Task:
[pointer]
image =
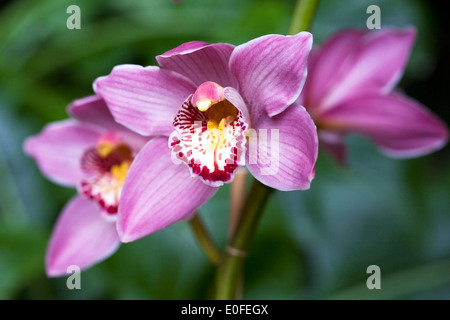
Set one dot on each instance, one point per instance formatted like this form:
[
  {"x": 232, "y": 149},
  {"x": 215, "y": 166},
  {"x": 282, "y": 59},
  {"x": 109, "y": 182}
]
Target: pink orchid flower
[
  {"x": 92, "y": 153},
  {"x": 351, "y": 89},
  {"x": 201, "y": 103}
]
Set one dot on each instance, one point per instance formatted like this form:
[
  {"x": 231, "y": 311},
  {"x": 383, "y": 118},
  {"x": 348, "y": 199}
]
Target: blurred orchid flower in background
[
  {"x": 201, "y": 102},
  {"x": 351, "y": 89},
  {"x": 92, "y": 153}
]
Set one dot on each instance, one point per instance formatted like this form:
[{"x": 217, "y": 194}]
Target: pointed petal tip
[
  {"x": 58, "y": 148},
  {"x": 54, "y": 272},
  {"x": 408, "y": 31},
  {"x": 407, "y": 35},
  {"x": 303, "y": 187},
  {"x": 81, "y": 102},
  {"x": 27, "y": 146},
  {"x": 306, "y": 36},
  {"x": 125, "y": 232},
  {"x": 125, "y": 237},
  {"x": 306, "y": 184},
  {"x": 311, "y": 177},
  {"x": 184, "y": 48},
  {"x": 438, "y": 144},
  {"x": 97, "y": 83}
]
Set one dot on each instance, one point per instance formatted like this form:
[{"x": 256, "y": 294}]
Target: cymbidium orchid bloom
[
  {"x": 209, "y": 105},
  {"x": 351, "y": 89},
  {"x": 93, "y": 153}
]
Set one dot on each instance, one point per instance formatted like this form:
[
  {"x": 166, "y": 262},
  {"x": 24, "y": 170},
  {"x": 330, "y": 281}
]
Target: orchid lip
[
  {"x": 106, "y": 167},
  {"x": 209, "y": 135}
]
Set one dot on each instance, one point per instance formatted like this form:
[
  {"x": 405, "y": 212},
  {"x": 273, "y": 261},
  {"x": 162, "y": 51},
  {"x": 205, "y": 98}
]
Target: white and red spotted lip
[
  {"x": 99, "y": 184},
  {"x": 192, "y": 143}
]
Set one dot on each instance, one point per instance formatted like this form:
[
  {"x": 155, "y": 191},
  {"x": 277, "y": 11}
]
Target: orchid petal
[
  {"x": 271, "y": 71},
  {"x": 58, "y": 149},
  {"x": 201, "y": 62},
  {"x": 373, "y": 64},
  {"x": 400, "y": 126},
  {"x": 287, "y": 162},
  {"x": 144, "y": 99},
  {"x": 158, "y": 193},
  {"x": 329, "y": 63},
  {"x": 233, "y": 96},
  {"x": 81, "y": 237},
  {"x": 93, "y": 109}
]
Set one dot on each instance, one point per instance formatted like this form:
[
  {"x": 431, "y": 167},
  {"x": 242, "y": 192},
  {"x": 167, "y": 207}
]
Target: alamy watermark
[
  {"x": 74, "y": 280},
  {"x": 74, "y": 20},
  {"x": 374, "y": 280},
  {"x": 374, "y": 20}
]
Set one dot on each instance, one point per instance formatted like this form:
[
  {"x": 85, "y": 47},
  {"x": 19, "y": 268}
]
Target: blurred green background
[{"x": 315, "y": 244}]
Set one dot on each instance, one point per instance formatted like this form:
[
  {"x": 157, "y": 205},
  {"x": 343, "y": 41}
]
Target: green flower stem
[
  {"x": 230, "y": 267},
  {"x": 303, "y": 15},
  {"x": 237, "y": 197},
  {"x": 204, "y": 239}
]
